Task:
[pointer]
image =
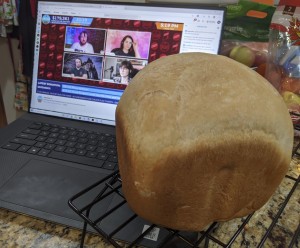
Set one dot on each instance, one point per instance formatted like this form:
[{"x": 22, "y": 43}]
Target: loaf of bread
[{"x": 200, "y": 138}]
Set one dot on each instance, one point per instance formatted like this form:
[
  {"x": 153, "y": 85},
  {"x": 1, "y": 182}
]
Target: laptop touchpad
[{"x": 47, "y": 187}]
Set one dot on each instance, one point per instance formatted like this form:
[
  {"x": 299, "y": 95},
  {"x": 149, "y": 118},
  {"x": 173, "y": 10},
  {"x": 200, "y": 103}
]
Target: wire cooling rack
[{"x": 262, "y": 231}]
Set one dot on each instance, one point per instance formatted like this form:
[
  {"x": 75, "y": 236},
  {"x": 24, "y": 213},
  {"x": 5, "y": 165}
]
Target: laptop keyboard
[{"x": 69, "y": 144}]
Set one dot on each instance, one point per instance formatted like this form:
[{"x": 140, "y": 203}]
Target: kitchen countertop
[{"x": 21, "y": 231}]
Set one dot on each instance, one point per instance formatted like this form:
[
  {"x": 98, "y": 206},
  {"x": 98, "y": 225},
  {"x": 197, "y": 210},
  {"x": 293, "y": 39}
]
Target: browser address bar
[
  {"x": 99, "y": 14},
  {"x": 121, "y": 16}
]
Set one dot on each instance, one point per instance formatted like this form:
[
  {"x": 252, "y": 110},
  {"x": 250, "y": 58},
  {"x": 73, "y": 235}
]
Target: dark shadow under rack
[{"x": 110, "y": 186}]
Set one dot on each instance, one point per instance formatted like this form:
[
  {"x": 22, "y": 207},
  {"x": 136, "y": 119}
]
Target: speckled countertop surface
[{"x": 20, "y": 231}]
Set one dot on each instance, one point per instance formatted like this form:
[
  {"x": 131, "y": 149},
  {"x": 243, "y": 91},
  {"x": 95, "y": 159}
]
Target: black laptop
[{"x": 86, "y": 53}]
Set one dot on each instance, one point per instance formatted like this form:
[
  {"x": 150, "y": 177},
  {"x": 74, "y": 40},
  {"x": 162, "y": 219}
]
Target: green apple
[{"x": 243, "y": 54}]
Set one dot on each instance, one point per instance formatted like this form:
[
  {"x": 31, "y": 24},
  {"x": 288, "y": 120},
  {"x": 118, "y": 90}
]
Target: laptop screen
[{"x": 87, "y": 53}]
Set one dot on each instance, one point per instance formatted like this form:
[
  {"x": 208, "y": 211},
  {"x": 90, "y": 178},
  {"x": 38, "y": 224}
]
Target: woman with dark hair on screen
[
  {"x": 126, "y": 69},
  {"x": 128, "y": 47}
]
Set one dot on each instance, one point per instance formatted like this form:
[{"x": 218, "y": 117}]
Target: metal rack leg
[
  {"x": 84, "y": 229},
  {"x": 83, "y": 234},
  {"x": 206, "y": 242}
]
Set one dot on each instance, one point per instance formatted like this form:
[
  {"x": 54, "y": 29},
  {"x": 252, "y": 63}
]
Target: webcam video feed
[{"x": 101, "y": 53}]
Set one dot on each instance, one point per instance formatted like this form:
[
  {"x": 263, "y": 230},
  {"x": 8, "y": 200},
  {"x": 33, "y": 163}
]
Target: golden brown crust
[{"x": 200, "y": 138}]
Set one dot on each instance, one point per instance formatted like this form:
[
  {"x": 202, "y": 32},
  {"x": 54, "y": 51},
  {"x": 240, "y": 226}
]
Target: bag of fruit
[
  {"x": 246, "y": 32},
  {"x": 283, "y": 64}
]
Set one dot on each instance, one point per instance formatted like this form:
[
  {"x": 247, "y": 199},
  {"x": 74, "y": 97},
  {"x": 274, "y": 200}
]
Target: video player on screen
[
  {"x": 128, "y": 47},
  {"x": 126, "y": 69},
  {"x": 83, "y": 46},
  {"x": 78, "y": 71}
]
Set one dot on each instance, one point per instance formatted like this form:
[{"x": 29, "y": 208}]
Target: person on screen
[
  {"x": 83, "y": 46},
  {"x": 128, "y": 47},
  {"x": 91, "y": 69},
  {"x": 126, "y": 69},
  {"x": 78, "y": 71}
]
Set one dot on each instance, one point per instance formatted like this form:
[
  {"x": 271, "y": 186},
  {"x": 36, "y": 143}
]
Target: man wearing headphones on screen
[{"x": 83, "y": 46}]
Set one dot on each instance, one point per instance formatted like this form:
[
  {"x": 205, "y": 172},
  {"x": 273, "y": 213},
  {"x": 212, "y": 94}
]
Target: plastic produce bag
[
  {"x": 248, "y": 21},
  {"x": 283, "y": 64},
  {"x": 246, "y": 32}
]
